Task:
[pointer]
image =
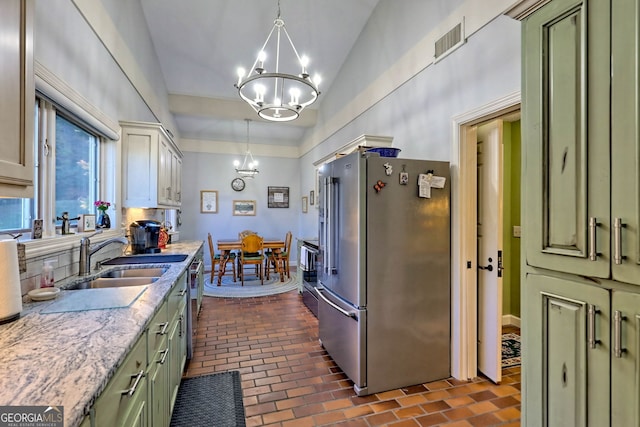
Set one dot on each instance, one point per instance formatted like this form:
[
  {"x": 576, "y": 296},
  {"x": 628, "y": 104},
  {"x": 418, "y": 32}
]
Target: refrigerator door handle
[
  {"x": 340, "y": 309},
  {"x": 332, "y": 224}
]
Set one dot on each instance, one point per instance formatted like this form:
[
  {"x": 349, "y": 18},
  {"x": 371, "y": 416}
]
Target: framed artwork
[
  {"x": 304, "y": 204},
  {"x": 244, "y": 207},
  {"x": 208, "y": 201},
  {"x": 278, "y": 197},
  {"x": 87, "y": 222},
  {"x": 312, "y": 196}
]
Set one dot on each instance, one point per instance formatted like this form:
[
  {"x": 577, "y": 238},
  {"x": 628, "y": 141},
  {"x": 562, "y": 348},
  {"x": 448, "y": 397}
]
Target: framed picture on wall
[
  {"x": 244, "y": 207},
  {"x": 304, "y": 204},
  {"x": 208, "y": 201},
  {"x": 278, "y": 197},
  {"x": 312, "y": 196}
]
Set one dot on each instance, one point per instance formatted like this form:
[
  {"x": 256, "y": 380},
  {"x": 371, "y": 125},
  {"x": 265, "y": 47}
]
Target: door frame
[{"x": 464, "y": 297}]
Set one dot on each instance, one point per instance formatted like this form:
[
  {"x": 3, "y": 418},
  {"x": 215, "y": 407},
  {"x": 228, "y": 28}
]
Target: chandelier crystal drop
[
  {"x": 276, "y": 95},
  {"x": 249, "y": 166}
]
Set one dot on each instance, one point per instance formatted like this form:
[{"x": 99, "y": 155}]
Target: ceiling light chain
[
  {"x": 249, "y": 165},
  {"x": 253, "y": 86}
]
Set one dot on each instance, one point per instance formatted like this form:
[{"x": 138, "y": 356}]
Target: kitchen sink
[
  {"x": 146, "y": 259},
  {"x": 121, "y": 277},
  {"x": 134, "y": 272},
  {"x": 111, "y": 282}
]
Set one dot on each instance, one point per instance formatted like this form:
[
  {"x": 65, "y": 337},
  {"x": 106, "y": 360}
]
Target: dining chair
[
  {"x": 252, "y": 253},
  {"x": 216, "y": 259},
  {"x": 279, "y": 259}
]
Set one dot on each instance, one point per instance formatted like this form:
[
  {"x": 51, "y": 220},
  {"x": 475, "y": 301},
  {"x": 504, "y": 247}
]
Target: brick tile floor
[{"x": 288, "y": 380}]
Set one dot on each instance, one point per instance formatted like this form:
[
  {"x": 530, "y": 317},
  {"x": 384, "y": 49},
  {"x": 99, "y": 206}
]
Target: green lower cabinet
[
  {"x": 565, "y": 352},
  {"x": 177, "y": 336},
  {"x": 143, "y": 391},
  {"x": 625, "y": 359},
  {"x": 159, "y": 414},
  {"x": 124, "y": 401},
  {"x": 175, "y": 373},
  {"x": 158, "y": 368}
]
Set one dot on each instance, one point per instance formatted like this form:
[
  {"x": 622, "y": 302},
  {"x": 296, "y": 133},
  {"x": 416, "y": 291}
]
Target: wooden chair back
[
  {"x": 252, "y": 243},
  {"x": 287, "y": 242},
  {"x": 244, "y": 233},
  {"x": 211, "y": 250}
]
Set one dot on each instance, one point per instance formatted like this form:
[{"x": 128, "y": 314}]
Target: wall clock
[{"x": 238, "y": 184}]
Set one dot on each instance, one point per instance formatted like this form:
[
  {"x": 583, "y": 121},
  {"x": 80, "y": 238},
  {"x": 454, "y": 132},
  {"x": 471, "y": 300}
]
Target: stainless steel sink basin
[
  {"x": 121, "y": 277},
  {"x": 146, "y": 259},
  {"x": 134, "y": 272},
  {"x": 110, "y": 282}
]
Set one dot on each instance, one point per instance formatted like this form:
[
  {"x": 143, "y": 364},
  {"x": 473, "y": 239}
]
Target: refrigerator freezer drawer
[{"x": 342, "y": 333}]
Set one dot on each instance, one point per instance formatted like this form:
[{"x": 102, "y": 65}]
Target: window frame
[{"x": 44, "y": 200}]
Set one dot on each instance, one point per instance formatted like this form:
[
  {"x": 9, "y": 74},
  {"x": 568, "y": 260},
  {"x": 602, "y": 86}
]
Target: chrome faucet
[{"x": 86, "y": 251}]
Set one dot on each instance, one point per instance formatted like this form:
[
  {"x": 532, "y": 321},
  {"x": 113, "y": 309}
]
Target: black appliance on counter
[
  {"x": 144, "y": 235},
  {"x": 307, "y": 261}
]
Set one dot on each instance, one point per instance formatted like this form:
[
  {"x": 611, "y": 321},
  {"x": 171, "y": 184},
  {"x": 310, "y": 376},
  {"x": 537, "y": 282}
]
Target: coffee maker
[{"x": 144, "y": 235}]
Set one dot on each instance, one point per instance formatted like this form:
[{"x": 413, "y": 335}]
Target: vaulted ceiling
[{"x": 201, "y": 43}]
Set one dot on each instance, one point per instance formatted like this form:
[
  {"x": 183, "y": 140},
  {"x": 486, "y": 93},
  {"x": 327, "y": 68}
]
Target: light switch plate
[{"x": 516, "y": 231}]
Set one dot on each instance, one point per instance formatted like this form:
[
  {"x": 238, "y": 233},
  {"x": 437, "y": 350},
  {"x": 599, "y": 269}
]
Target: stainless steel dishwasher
[{"x": 196, "y": 285}]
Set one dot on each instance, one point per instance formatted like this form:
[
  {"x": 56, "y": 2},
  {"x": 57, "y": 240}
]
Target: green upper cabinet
[
  {"x": 580, "y": 133},
  {"x": 625, "y": 141}
]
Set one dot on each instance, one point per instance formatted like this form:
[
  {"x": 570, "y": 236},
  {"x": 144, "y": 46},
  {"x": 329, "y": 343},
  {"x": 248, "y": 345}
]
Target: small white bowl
[{"x": 44, "y": 294}]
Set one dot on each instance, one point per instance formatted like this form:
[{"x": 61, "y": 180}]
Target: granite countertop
[{"x": 66, "y": 359}]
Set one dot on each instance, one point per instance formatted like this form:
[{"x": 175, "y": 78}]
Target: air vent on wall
[{"x": 449, "y": 42}]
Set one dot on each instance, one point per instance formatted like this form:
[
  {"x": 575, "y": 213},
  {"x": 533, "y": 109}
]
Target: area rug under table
[
  {"x": 510, "y": 350},
  {"x": 251, "y": 288},
  {"x": 209, "y": 400}
]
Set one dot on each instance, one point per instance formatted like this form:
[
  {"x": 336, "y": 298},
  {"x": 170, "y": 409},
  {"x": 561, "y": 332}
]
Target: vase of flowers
[{"x": 103, "y": 218}]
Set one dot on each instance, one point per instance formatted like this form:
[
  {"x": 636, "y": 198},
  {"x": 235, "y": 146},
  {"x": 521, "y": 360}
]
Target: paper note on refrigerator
[{"x": 426, "y": 181}]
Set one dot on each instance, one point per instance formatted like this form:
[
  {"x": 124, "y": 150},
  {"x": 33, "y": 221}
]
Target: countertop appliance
[
  {"x": 384, "y": 275},
  {"x": 144, "y": 234},
  {"x": 307, "y": 260}
]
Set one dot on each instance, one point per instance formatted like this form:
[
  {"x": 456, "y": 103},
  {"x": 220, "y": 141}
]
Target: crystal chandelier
[
  {"x": 249, "y": 165},
  {"x": 278, "y": 96}
]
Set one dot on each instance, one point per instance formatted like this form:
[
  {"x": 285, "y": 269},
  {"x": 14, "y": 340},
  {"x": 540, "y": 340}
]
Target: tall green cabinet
[{"x": 581, "y": 213}]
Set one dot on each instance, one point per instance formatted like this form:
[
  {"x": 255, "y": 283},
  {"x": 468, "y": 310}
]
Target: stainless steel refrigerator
[{"x": 384, "y": 270}]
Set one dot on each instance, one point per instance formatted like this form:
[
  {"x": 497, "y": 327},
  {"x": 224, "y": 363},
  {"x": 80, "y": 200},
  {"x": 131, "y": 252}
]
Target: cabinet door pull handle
[
  {"x": 618, "y": 318},
  {"x": 617, "y": 240},
  {"x": 593, "y": 253},
  {"x": 163, "y": 328},
  {"x": 592, "y": 310},
  {"x": 130, "y": 391},
  {"x": 164, "y": 356}
]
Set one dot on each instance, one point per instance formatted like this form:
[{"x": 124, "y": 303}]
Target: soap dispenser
[{"x": 46, "y": 279}]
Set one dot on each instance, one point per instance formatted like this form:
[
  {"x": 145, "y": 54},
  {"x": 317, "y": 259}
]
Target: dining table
[{"x": 226, "y": 246}]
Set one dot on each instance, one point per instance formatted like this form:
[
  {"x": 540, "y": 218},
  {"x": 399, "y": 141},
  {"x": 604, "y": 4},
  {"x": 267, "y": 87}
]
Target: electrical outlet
[{"x": 516, "y": 231}]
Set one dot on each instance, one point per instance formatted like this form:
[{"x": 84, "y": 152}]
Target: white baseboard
[{"x": 509, "y": 319}]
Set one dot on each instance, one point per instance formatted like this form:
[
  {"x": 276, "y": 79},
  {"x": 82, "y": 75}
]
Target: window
[
  {"x": 66, "y": 169},
  {"x": 15, "y": 214},
  {"x": 76, "y": 169}
]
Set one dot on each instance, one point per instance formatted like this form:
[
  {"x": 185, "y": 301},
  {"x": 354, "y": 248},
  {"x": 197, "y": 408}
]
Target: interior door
[{"x": 490, "y": 157}]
